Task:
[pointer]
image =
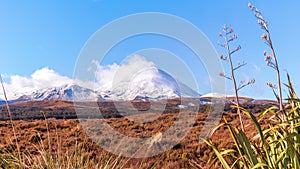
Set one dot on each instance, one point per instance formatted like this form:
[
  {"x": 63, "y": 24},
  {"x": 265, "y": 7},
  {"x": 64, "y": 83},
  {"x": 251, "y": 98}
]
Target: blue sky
[{"x": 38, "y": 34}]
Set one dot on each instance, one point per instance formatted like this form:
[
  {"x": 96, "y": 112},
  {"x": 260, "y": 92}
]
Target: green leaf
[
  {"x": 246, "y": 147},
  {"x": 218, "y": 154},
  {"x": 271, "y": 110},
  {"x": 276, "y": 95},
  {"x": 260, "y": 165},
  {"x": 235, "y": 139},
  {"x": 257, "y": 125},
  {"x": 281, "y": 156}
]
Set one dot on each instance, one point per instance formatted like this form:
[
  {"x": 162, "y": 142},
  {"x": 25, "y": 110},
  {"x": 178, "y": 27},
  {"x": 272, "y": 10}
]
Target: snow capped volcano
[{"x": 151, "y": 83}]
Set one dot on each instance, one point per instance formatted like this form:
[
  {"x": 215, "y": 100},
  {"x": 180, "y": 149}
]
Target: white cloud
[
  {"x": 107, "y": 75},
  {"x": 104, "y": 75},
  {"x": 48, "y": 78},
  {"x": 41, "y": 78}
]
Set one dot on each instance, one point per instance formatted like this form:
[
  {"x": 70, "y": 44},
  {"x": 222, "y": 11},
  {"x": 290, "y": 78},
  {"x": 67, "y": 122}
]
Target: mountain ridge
[{"x": 152, "y": 84}]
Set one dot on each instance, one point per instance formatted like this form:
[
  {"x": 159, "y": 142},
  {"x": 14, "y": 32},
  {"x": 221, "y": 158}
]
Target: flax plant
[
  {"x": 271, "y": 59},
  {"x": 275, "y": 146},
  {"x": 229, "y": 36}
]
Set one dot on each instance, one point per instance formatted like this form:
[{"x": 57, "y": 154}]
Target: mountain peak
[{"x": 151, "y": 83}]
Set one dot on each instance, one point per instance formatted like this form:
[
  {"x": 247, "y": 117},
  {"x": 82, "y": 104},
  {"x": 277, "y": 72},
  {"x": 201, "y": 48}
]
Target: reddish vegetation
[
  {"x": 46, "y": 104},
  {"x": 65, "y": 135}
]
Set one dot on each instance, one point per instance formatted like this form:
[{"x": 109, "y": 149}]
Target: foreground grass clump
[
  {"x": 277, "y": 146},
  {"x": 48, "y": 150}
]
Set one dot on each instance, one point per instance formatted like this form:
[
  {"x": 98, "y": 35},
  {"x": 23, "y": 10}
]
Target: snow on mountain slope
[
  {"x": 65, "y": 92},
  {"x": 151, "y": 83},
  {"x": 213, "y": 95},
  {"x": 227, "y": 98},
  {"x": 220, "y": 95}
]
